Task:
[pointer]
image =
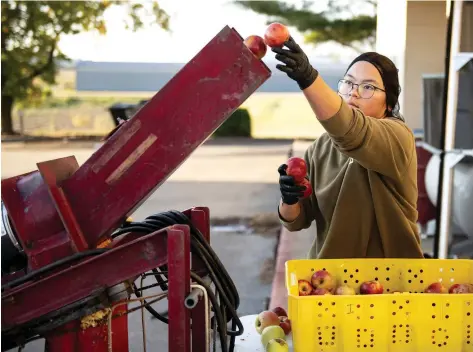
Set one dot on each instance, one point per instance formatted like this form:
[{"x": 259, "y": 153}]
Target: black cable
[
  {"x": 150, "y": 309},
  {"x": 225, "y": 287},
  {"x": 52, "y": 266}
]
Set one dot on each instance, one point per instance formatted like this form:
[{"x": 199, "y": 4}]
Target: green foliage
[
  {"x": 237, "y": 125},
  {"x": 31, "y": 31},
  {"x": 337, "y": 23}
]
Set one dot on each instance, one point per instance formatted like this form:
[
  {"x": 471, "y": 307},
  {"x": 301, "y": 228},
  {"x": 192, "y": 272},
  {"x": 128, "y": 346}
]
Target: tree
[
  {"x": 337, "y": 23},
  {"x": 30, "y": 34}
]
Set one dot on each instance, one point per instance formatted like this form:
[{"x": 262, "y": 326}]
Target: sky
[{"x": 192, "y": 26}]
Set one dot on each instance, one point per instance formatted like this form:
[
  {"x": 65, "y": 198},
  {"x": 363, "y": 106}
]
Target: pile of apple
[
  {"x": 323, "y": 282},
  {"x": 438, "y": 287},
  {"x": 273, "y": 326},
  {"x": 275, "y": 36}
]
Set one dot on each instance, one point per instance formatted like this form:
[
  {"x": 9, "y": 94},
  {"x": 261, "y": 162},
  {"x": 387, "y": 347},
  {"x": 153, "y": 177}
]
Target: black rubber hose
[
  {"x": 225, "y": 286},
  {"x": 52, "y": 266}
]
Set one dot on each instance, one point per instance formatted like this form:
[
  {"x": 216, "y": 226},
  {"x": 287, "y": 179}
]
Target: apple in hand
[
  {"x": 277, "y": 345},
  {"x": 256, "y": 45},
  {"x": 308, "y": 188},
  {"x": 323, "y": 279},
  {"x": 280, "y": 311},
  {"x": 371, "y": 288},
  {"x": 461, "y": 288},
  {"x": 345, "y": 290},
  {"x": 436, "y": 287},
  {"x": 285, "y": 324},
  {"x": 297, "y": 168},
  {"x": 276, "y": 34},
  {"x": 271, "y": 332},
  {"x": 320, "y": 292},
  {"x": 265, "y": 319},
  {"x": 305, "y": 288}
]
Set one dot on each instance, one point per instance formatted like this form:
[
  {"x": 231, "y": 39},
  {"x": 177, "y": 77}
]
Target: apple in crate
[
  {"x": 323, "y": 279},
  {"x": 272, "y": 332},
  {"x": 371, "y": 288},
  {"x": 345, "y": 290},
  {"x": 305, "y": 288},
  {"x": 297, "y": 168},
  {"x": 461, "y": 288},
  {"x": 256, "y": 45},
  {"x": 276, "y": 34},
  {"x": 436, "y": 287},
  {"x": 277, "y": 345},
  {"x": 265, "y": 319},
  {"x": 285, "y": 324},
  {"x": 320, "y": 292}
]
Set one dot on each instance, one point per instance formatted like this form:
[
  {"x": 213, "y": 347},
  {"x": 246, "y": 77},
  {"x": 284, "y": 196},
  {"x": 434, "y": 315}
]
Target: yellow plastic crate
[{"x": 396, "y": 322}]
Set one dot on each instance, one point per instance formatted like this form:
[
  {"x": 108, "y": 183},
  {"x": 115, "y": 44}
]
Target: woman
[{"x": 363, "y": 170}]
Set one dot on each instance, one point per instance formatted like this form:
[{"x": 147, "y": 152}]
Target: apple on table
[{"x": 265, "y": 319}]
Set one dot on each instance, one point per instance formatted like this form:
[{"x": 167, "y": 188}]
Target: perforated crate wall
[{"x": 404, "y": 322}]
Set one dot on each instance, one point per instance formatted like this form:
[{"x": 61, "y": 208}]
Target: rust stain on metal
[
  {"x": 117, "y": 145},
  {"x": 148, "y": 251},
  {"x": 128, "y": 162}
]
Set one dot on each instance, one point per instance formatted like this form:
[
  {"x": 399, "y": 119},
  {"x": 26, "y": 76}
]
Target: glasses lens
[
  {"x": 366, "y": 91},
  {"x": 344, "y": 87}
]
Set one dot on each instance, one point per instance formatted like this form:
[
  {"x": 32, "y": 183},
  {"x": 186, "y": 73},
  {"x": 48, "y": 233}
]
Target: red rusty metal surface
[
  {"x": 425, "y": 208},
  {"x": 179, "y": 338},
  {"x": 53, "y": 172},
  {"x": 82, "y": 280},
  {"x": 146, "y": 150},
  {"x": 93, "y": 338},
  {"x": 200, "y": 218},
  {"x": 35, "y": 219}
]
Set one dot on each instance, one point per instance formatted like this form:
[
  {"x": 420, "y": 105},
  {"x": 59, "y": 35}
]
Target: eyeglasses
[{"x": 365, "y": 90}]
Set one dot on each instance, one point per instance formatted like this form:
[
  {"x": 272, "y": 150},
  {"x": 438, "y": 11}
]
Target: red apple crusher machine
[{"x": 71, "y": 256}]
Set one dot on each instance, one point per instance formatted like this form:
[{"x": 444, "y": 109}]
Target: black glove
[
  {"x": 290, "y": 192},
  {"x": 297, "y": 65}
]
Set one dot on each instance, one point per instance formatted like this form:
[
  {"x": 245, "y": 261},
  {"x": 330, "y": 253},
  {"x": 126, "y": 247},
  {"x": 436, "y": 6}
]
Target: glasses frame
[{"x": 357, "y": 88}]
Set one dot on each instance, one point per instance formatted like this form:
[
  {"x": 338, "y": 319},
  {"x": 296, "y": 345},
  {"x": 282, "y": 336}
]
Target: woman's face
[{"x": 365, "y": 75}]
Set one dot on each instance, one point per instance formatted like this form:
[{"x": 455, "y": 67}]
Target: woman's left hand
[{"x": 297, "y": 65}]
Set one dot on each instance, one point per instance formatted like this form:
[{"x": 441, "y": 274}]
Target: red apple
[
  {"x": 308, "y": 188},
  {"x": 276, "y": 34},
  {"x": 265, "y": 319},
  {"x": 281, "y": 312},
  {"x": 297, "y": 168},
  {"x": 323, "y": 279},
  {"x": 285, "y": 324},
  {"x": 436, "y": 287},
  {"x": 320, "y": 292},
  {"x": 305, "y": 288},
  {"x": 461, "y": 288},
  {"x": 371, "y": 288},
  {"x": 345, "y": 290},
  {"x": 256, "y": 45}
]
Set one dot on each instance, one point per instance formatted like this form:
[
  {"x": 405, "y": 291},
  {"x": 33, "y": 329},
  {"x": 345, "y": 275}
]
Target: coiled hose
[{"x": 225, "y": 287}]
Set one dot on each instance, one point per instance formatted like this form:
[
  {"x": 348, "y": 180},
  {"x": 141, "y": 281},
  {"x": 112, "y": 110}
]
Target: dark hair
[{"x": 390, "y": 77}]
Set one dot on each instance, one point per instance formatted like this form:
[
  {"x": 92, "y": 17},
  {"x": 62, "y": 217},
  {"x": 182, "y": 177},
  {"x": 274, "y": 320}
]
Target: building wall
[
  {"x": 413, "y": 35},
  {"x": 425, "y": 52}
]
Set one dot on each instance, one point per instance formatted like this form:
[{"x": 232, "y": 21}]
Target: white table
[{"x": 250, "y": 340}]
